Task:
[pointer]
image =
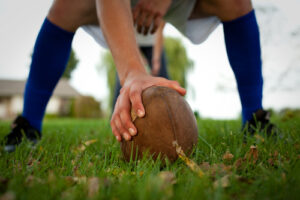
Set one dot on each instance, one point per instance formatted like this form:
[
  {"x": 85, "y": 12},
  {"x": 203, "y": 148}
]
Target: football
[{"x": 168, "y": 120}]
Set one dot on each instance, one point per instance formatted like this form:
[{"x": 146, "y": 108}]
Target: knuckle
[
  {"x": 147, "y": 9},
  {"x": 128, "y": 124},
  {"x": 122, "y": 130},
  {"x": 122, "y": 133},
  {"x": 124, "y": 90},
  {"x": 124, "y": 115},
  {"x": 122, "y": 111},
  {"x": 133, "y": 94}
]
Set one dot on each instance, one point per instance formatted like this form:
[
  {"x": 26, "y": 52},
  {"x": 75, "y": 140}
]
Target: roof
[{"x": 16, "y": 87}]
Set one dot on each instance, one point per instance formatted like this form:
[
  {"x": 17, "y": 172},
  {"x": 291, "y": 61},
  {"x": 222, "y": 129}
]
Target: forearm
[
  {"x": 158, "y": 45},
  {"x": 116, "y": 22}
]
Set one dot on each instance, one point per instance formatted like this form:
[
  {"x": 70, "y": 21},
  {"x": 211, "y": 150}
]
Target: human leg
[
  {"x": 49, "y": 59},
  {"x": 148, "y": 53},
  {"x": 50, "y": 55},
  {"x": 243, "y": 48},
  {"x": 163, "y": 71},
  {"x": 244, "y": 54}
]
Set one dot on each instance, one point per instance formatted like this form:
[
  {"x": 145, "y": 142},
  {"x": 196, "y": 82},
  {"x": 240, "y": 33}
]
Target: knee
[
  {"x": 230, "y": 9},
  {"x": 71, "y": 14}
]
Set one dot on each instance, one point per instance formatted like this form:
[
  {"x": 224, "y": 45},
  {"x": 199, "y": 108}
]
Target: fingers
[
  {"x": 136, "y": 101},
  {"x": 125, "y": 116},
  {"x": 144, "y": 18},
  {"x": 115, "y": 131},
  {"x": 156, "y": 22},
  {"x": 121, "y": 128},
  {"x": 127, "y": 123},
  {"x": 121, "y": 123},
  {"x": 131, "y": 96},
  {"x": 147, "y": 24},
  {"x": 135, "y": 14},
  {"x": 140, "y": 21},
  {"x": 174, "y": 85}
]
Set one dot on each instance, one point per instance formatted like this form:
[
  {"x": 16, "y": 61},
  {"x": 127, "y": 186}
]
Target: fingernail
[
  {"x": 140, "y": 113},
  {"x": 131, "y": 131}
]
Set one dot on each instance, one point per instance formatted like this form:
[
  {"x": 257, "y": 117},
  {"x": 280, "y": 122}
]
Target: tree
[
  {"x": 178, "y": 64},
  {"x": 178, "y": 61},
  {"x": 72, "y": 64},
  {"x": 86, "y": 107},
  {"x": 107, "y": 63}
]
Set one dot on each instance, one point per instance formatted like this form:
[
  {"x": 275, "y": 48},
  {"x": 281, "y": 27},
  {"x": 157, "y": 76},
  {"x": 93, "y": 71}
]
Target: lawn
[{"x": 80, "y": 159}]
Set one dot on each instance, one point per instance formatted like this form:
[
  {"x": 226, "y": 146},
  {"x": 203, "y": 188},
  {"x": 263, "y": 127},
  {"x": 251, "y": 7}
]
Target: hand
[
  {"x": 155, "y": 67},
  {"x": 131, "y": 95},
  {"x": 149, "y": 12}
]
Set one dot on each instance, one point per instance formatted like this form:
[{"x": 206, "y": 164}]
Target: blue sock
[
  {"x": 244, "y": 54},
  {"x": 50, "y": 56}
]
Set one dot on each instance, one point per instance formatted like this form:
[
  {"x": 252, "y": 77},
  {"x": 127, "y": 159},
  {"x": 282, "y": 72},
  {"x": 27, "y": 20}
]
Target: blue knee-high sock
[
  {"x": 50, "y": 55},
  {"x": 244, "y": 54}
]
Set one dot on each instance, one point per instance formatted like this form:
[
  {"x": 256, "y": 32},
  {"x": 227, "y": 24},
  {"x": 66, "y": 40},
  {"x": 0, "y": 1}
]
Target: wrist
[{"x": 131, "y": 73}]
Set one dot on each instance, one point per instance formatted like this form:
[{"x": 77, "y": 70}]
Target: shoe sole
[
  {"x": 9, "y": 148},
  {"x": 12, "y": 148}
]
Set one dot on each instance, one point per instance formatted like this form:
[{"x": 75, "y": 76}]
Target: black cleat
[
  {"x": 260, "y": 123},
  {"x": 20, "y": 128}
]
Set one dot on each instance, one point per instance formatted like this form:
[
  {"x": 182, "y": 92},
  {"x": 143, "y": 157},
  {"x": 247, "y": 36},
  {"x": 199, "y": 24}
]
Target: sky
[{"x": 211, "y": 85}]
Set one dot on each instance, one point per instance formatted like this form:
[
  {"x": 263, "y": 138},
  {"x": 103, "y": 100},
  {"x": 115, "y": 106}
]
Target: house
[{"x": 11, "y": 98}]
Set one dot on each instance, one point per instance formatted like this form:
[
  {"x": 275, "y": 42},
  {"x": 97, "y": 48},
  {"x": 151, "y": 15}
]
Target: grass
[{"x": 62, "y": 167}]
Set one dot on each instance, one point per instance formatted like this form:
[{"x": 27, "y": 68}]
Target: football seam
[{"x": 169, "y": 116}]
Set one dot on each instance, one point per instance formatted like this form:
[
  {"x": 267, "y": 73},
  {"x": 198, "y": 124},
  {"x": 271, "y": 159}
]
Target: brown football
[{"x": 168, "y": 118}]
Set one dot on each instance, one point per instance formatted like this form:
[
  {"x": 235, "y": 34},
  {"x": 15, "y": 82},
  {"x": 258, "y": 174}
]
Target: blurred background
[{"x": 86, "y": 89}]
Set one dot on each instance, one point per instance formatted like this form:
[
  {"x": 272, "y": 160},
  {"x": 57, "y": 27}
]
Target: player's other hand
[
  {"x": 131, "y": 95},
  {"x": 148, "y": 14}
]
